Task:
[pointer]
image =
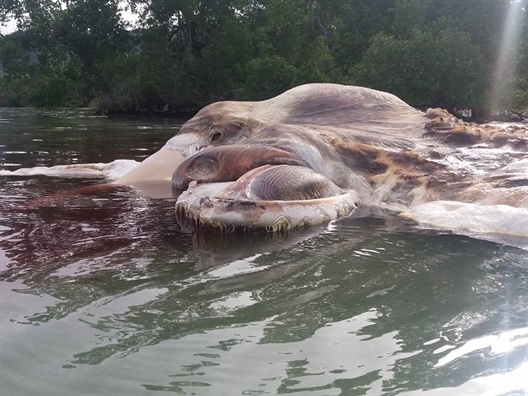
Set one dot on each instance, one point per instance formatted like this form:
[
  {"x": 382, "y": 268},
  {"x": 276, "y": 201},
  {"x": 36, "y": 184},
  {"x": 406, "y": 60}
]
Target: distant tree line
[{"x": 467, "y": 56}]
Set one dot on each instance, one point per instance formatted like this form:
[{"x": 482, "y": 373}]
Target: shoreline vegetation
[
  {"x": 469, "y": 57},
  {"x": 504, "y": 117}
]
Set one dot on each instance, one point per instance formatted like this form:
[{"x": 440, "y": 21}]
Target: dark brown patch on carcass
[
  {"x": 400, "y": 171},
  {"x": 361, "y": 158},
  {"x": 436, "y": 155},
  {"x": 520, "y": 144},
  {"x": 413, "y": 161},
  {"x": 512, "y": 183},
  {"x": 452, "y": 131},
  {"x": 240, "y": 205},
  {"x": 371, "y": 161},
  {"x": 462, "y": 138}
]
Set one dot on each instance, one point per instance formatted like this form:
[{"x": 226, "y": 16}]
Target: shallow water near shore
[{"x": 103, "y": 293}]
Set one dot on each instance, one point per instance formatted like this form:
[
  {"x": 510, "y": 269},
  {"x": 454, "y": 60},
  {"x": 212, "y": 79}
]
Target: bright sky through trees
[{"x": 10, "y": 28}]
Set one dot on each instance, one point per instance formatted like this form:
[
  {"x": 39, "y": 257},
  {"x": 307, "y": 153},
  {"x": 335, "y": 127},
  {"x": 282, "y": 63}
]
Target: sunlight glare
[{"x": 508, "y": 50}]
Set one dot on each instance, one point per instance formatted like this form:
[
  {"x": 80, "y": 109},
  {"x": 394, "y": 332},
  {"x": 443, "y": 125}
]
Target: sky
[
  {"x": 10, "y": 28},
  {"x": 11, "y": 25}
]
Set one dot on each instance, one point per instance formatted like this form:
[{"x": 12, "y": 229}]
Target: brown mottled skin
[
  {"x": 353, "y": 138},
  {"x": 356, "y": 137}
]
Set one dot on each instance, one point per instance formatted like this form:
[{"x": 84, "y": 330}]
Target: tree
[
  {"x": 70, "y": 40},
  {"x": 289, "y": 49},
  {"x": 14, "y": 77},
  {"x": 188, "y": 53},
  {"x": 425, "y": 62}
]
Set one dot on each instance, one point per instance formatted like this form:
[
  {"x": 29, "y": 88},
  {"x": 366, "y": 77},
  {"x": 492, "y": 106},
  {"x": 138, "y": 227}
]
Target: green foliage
[
  {"x": 188, "y": 53},
  {"x": 268, "y": 77},
  {"x": 13, "y": 91},
  {"x": 427, "y": 68},
  {"x": 409, "y": 15},
  {"x": 519, "y": 92}
]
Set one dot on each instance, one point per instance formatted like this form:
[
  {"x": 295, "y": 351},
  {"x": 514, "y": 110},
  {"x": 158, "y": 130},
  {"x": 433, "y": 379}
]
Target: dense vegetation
[{"x": 460, "y": 55}]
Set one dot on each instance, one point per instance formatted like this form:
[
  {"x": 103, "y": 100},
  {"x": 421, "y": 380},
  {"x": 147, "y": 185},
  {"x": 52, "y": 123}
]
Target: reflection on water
[{"x": 102, "y": 293}]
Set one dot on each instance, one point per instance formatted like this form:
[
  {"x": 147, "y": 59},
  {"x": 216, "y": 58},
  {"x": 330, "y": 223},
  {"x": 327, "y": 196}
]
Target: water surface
[{"x": 103, "y": 293}]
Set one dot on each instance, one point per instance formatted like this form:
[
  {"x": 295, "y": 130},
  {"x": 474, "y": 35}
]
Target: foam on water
[
  {"x": 471, "y": 219},
  {"x": 111, "y": 170}
]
